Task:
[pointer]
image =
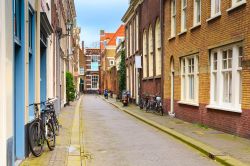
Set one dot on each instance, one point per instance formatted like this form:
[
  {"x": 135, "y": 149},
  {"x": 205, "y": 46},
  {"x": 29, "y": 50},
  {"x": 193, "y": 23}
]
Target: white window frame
[
  {"x": 145, "y": 55},
  {"x": 158, "y": 54},
  {"x": 96, "y": 78},
  {"x": 188, "y": 71},
  {"x": 173, "y": 18},
  {"x": 137, "y": 32},
  {"x": 197, "y": 13},
  {"x": 183, "y": 15},
  {"x": 150, "y": 55},
  {"x": 217, "y": 88},
  {"x": 215, "y": 4}
]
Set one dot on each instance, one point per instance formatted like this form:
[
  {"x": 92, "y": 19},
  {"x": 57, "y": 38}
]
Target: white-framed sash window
[
  {"x": 173, "y": 18},
  {"x": 215, "y": 8},
  {"x": 189, "y": 79},
  {"x": 183, "y": 15},
  {"x": 226, "y": 78},
  {"x": 94, "y": 82},
  {"x": 197, "y": 12}
]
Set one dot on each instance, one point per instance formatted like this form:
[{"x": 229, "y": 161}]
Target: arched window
[
  {"x": 145, "y": 56},
  {"x": 150, "y": 58},
  {"x": 158, "y": 47}
]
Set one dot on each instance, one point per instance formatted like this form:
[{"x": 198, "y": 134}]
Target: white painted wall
[{"x": 6, "y": 73}]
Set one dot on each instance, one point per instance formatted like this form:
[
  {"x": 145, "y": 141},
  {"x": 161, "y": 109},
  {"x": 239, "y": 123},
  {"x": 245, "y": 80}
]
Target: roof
[{"x": 111, "y": 37}]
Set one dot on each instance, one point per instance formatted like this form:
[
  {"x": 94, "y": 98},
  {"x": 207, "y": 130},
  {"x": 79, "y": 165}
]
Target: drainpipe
[{"x": 162, "y": 46}]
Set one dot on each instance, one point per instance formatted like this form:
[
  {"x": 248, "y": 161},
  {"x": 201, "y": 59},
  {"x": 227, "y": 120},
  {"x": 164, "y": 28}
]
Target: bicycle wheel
[
  {"x": 36, "y": 139},
  {"x": 50, "y": 136},
  {"x": 56, "y": 126}
]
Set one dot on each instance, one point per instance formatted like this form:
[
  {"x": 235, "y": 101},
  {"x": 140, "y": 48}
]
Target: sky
[{"x": 94, "y": 15}]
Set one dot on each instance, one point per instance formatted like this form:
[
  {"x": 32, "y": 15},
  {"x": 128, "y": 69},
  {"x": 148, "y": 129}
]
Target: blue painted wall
[
  {"x": 32, "y": 67},
  {"x": 19, "y": 89}
]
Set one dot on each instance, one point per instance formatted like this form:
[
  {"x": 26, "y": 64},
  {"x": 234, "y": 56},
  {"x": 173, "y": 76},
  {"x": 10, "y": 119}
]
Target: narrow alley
[{"x": 112, "y": 137}]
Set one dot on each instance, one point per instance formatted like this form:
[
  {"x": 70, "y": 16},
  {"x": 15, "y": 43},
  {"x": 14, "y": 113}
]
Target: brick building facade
[
  {"x": 206, "y": 63},
  {"x": 108, "y": 45},
  {"x": 143, "y": 41},
  {"x": 92, "y": 63},
  {"x": 150, "y": 37}
]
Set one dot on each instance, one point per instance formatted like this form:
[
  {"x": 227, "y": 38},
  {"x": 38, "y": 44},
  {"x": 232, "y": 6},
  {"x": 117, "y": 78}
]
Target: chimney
[
  {"x": 82, "y": 45},
  {"x": 101, "y": 32}
]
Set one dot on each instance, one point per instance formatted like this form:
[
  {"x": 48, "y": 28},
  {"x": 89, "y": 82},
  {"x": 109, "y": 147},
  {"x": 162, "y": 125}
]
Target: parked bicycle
[
  {"x": 55, "y": 121},
  {"x": 41, "y": 130},
  {"x": 152, "y": 103}
]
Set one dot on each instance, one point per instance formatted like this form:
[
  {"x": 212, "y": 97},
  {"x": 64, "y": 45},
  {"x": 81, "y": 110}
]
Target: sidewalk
[
  {"x": 225, "y": 148},
  {"x": 62, "y": 155}
]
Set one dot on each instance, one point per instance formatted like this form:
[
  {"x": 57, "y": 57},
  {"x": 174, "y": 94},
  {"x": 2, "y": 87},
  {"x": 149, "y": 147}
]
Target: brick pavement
[
  {"x": 59, "y": 156},
  {"x": 228, "y": 145}
]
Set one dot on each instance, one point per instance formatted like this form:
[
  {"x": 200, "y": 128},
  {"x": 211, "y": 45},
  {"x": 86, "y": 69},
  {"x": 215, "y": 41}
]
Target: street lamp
[{"x": 69, "y": 26}]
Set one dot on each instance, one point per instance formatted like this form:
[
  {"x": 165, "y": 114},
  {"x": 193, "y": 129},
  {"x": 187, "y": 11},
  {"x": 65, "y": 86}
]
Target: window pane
[
  {"x": 240, "y": 56},
  {"x": 215, "y": 86},
  {"x": 224, "y": 60},
  {"x": 217, "y": 6},
  {"x": 227, "y": 90},
  {"x": 191, "y": 87}
]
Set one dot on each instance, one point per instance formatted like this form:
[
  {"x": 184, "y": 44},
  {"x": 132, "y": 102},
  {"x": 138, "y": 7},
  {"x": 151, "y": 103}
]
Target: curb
[
  {"x": 74, "y": 153},
  {"x": 212, "y": 153}
]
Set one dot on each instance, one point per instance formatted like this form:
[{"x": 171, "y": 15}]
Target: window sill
[
  {"x": 195, "y": 26},
  {"x": 171, "y": 38},
  {"x": 236, "y": 6},
  {"x": 223, "y": 108},
  {"x": 188, "y": 103},
  {"x": 214, "y": 17},
  {"x": 158, "y": 76},
  {"x": 148, "y": 78},
  {"x": 182, "y": 33}
]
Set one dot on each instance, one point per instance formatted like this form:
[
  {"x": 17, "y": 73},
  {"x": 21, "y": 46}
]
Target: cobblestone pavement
[
  {"x": 113, "y": 138},
  {"x": 228, "y": 144},
  {"x": 58, "y": 157}
]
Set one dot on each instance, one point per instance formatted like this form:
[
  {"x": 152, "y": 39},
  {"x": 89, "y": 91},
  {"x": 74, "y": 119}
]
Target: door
[{"x": 171, "y": 113}]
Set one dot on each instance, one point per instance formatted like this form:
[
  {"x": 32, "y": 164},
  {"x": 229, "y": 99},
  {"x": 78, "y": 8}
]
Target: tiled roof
[
  {"x": 112, "y": 37},
  {"x": 119, "y": 33}
]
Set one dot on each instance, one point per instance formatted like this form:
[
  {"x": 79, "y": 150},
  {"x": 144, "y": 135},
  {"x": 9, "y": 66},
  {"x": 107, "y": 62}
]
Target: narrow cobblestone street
[{"x": 114, "y": 138}]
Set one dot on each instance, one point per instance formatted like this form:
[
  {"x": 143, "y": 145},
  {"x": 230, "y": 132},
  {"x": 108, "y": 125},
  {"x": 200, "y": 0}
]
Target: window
[
  {"x": 173, "y": 18},
  {"x": 94, "y": 82},
  {"x": 197, "y": 12},
  {"x": 137, "y": 32},
  {"x": 111, "y": 62},
  {"x": 158, "y": 47},
  {"x": 189, "y": 79},
  {"x": 145, "y": 57},
  {"x": 130, "y": 40},
  {"x": 127, "y": 44},
  {"x": 30, "y": 29},
  {"x": 215, "y": 7},
  {"x": 94, "y": 63},
  {"x": 150, "y": 59},
  {"x": 226, "y": 79},
  {"x": 17, "y": 19},
  {"x": 183, "y": 15},
  {"x": 94, "y": 58},
  {"x": 81, "y": 71}
]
